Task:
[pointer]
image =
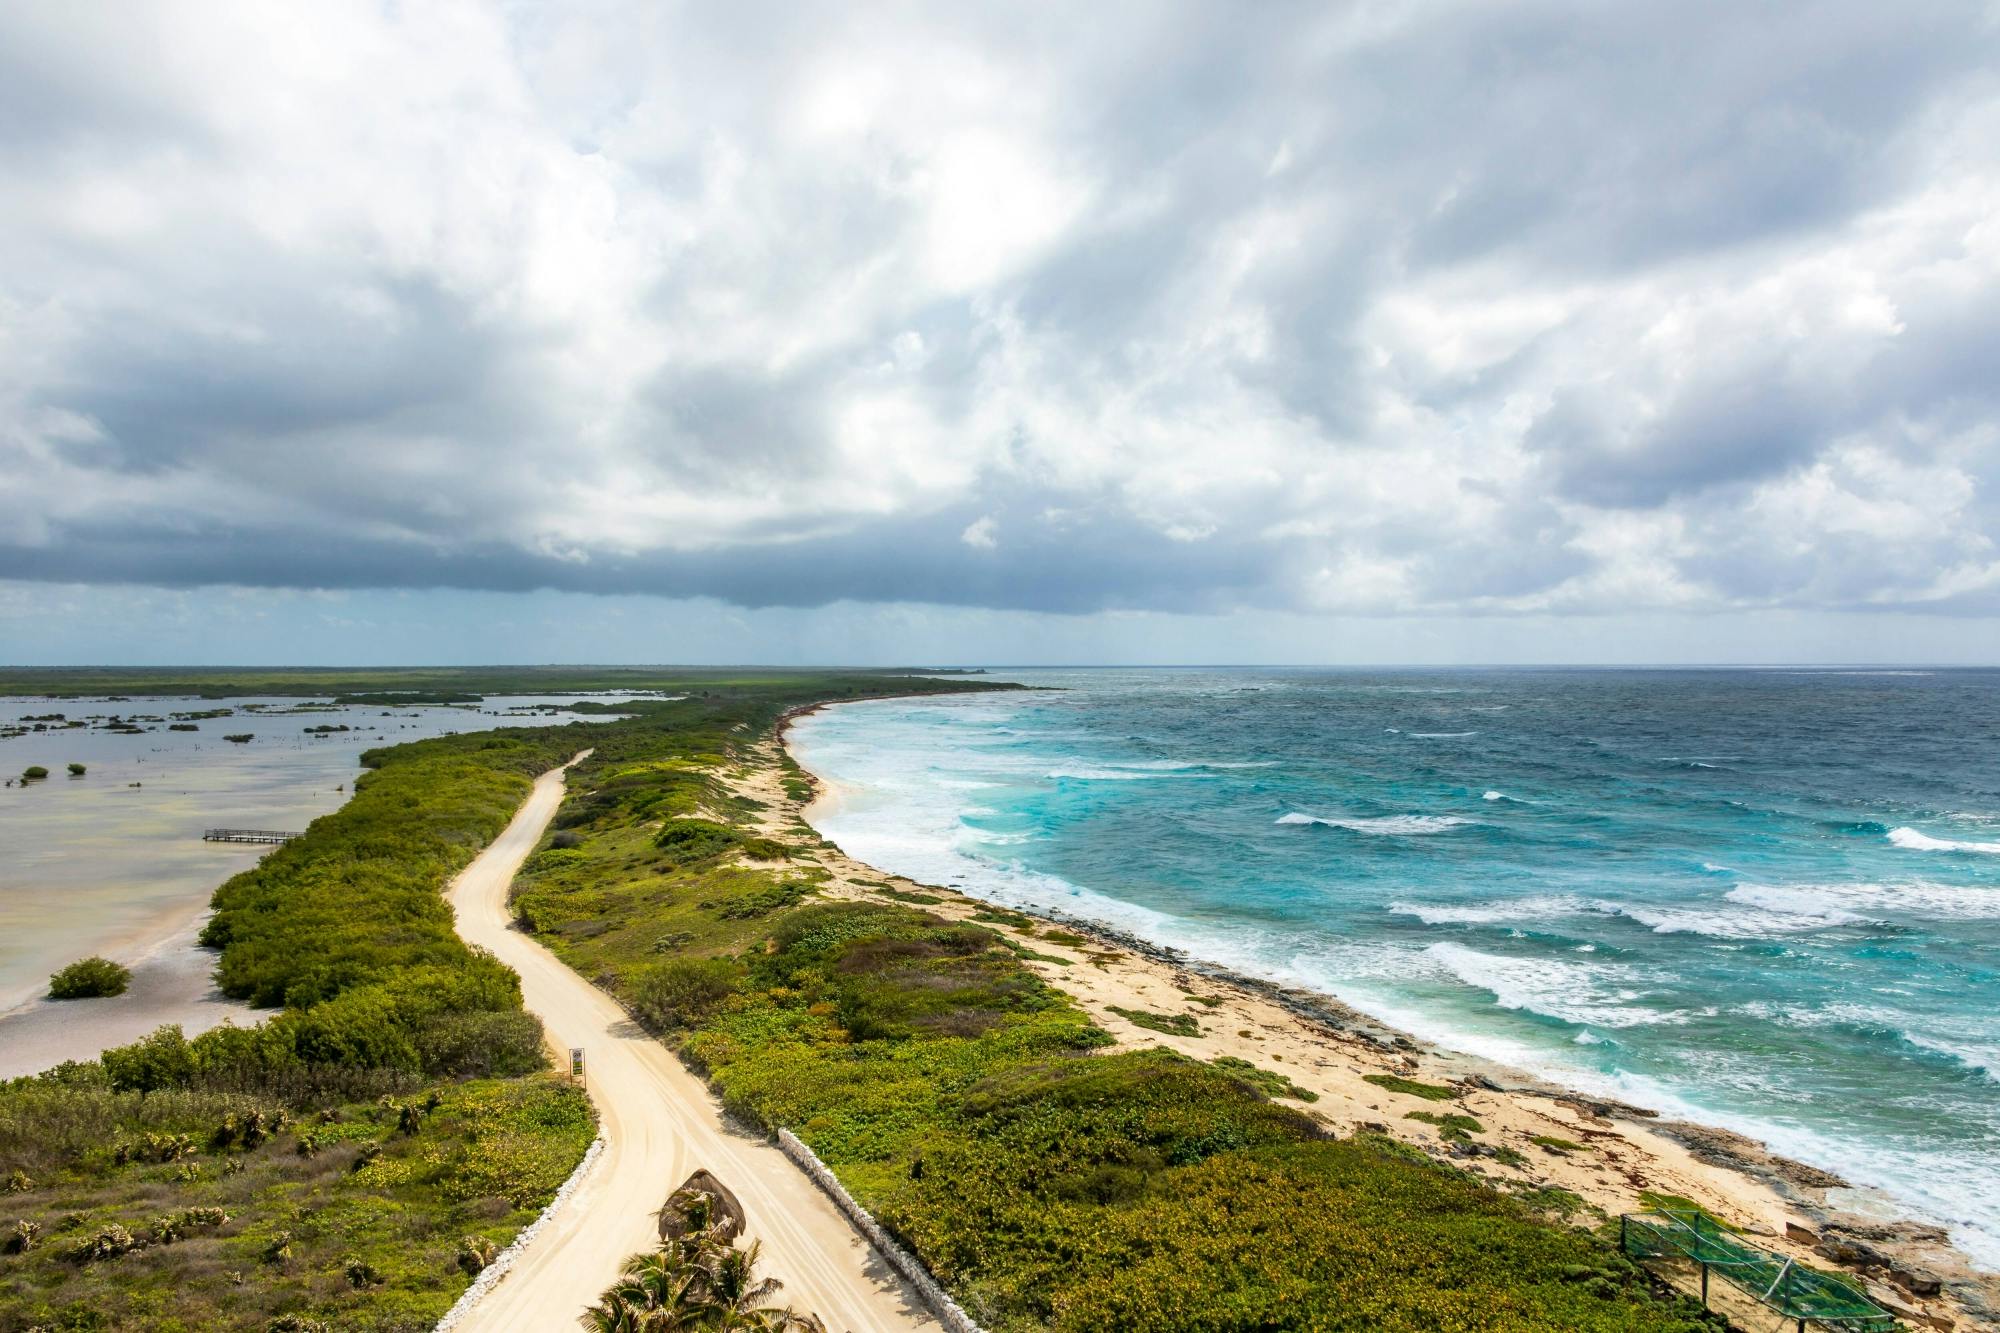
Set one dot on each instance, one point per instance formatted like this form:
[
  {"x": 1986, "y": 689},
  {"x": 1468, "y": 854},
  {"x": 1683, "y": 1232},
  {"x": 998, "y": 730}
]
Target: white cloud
[
  {"x": 980, "y": 534},
  {"x": 1689, "y": 309}
]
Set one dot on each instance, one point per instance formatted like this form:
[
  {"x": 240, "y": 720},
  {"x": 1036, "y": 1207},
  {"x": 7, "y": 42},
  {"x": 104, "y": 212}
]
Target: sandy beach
[{"x": 1612, "y": 1156}]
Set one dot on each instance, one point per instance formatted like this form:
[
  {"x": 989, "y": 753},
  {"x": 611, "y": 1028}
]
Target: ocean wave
[
  {"x": 1589, "y": 995},
  {"x": 1441, "y": 735},
  {"x": 1843, "y": 904},
  {"x": 1912, "y": 840},
  {"x": 1744, "y": 918},
  {"x": 1487, "y": 913},
  {"x": 1983, "y": 1060},
  {"x": 1090, "y": 773},
  {"x": 1385, "y": 826},
  {"x": 986, "y": 838}
]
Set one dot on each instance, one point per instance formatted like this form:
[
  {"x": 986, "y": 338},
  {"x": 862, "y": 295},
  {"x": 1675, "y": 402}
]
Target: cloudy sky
[{"x": 1329, "y": 332}]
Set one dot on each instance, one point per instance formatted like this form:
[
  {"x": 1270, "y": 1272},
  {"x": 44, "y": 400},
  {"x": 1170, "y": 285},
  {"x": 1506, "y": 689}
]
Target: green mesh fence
[{"x": 1793, "y": 1289}]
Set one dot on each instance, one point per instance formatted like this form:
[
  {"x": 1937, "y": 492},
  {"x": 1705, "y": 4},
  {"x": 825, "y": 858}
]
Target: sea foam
[
  {"x": 1912, "y": 840},
  {"x": 1383, "y": 826}
]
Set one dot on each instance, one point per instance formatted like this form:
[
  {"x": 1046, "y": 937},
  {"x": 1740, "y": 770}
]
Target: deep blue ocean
[{"x": 1764, "y": 899}]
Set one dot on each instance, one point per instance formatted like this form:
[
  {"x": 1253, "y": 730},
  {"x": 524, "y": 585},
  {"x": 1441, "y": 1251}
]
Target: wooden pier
[{"x": 246, "y": 835}]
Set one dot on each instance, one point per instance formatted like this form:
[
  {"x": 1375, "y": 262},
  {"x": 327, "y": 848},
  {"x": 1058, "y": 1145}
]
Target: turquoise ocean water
[{"x": 1768, "y": 900}]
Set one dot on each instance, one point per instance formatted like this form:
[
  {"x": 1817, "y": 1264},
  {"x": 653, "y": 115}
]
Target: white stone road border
[
  {"x": 908, "y": 1265},
  {"x": 490, "y": 1276}
]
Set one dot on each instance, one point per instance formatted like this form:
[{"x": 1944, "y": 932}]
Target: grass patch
[
  {"x": 1174, "y": 1025},
  {"x": 1654, "y": 1201},
  {"x": 1267, "y": 1081},
  {"x": 906, "y": 895},
  {"x": 1409, "y": 1087},
  {"x": 1555, "y": 1144},
  {"x": 1449, "y": 1126},
  {"x": 999, "y": 916}
]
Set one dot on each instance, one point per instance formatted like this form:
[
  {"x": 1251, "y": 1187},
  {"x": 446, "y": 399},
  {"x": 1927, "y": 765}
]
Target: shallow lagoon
[{"x": 113, "y": 862}]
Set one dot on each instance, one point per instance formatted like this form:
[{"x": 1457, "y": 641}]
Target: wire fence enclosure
[{"x": 1794, "y": 1290}]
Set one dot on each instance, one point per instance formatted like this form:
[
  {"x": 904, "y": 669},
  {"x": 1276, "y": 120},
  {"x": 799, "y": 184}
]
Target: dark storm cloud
[
  {"x": 914, "y": 560},
  {"x": 1523, "y": 307}
]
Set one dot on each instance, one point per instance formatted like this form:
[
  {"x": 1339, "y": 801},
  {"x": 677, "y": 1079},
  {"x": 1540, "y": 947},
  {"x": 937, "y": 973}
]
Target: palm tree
[
  {"x": 656, "y": 1293},
  {"x": 697, "y": 1282}
]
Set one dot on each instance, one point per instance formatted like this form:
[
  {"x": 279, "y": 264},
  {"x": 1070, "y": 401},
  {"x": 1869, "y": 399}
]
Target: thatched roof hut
[{"x": 701, "y": 1201}]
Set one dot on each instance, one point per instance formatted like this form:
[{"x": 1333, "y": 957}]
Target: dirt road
[{"x": 660, "y": 1123}]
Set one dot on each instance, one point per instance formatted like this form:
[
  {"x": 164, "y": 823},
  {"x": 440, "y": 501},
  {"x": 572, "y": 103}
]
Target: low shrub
[
  {"x": 683, "y": 991},
  {"x": 1451, "y": 1126},
  {"x": 87, "y": 978},
  {"x": 1267, "y": 1081},
  {"x": 33, "y": 773},
  {"x": 686, "y": 841},
  {"x": 1409, "y": 1087},
  {"x": 1174, "y": 1025}
]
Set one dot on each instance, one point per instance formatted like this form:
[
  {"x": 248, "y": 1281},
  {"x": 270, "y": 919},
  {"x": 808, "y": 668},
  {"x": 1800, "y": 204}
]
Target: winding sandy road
[{"x": 660, "y": 1124}]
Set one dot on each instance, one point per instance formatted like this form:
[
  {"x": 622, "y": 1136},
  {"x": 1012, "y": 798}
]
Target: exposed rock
[
  {"x": 1799, "y": 1235},
  {"x": 1721, "y": 1147}
]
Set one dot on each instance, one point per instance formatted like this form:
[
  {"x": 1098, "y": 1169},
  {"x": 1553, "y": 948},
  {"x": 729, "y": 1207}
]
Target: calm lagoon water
[
  {"x": 111, "y": 861},
  {"x": 1763, "y": 899}
]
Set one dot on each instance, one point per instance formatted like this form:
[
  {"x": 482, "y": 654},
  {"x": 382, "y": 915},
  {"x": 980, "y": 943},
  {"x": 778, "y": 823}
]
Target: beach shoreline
[
  {"x": 1535, "y": 1133},
  {"x": 173, "y": 982}
]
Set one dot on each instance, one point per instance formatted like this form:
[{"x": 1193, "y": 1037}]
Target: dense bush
[
  {"x": 685, "y": 841},
  {"x": 33, "y": 773},
  {"x": 89, "y": 977},
  {"x": 682, "y": 992}
]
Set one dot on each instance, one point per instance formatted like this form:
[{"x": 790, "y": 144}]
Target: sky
[{"x": 1369, "y": 332}]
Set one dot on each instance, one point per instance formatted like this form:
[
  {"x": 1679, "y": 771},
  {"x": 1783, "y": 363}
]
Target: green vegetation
[
  {"x": 88, "y": 978},
  {"x": 1050, "y": 1183},
  {"x": 1267, "y": 1081},
  {"x": 1458, "y": 1128},
  {"x": 907, "y": 896},
  {"x": 1554, "y": 1144},
  {"x": 240, "y": 737},
  {"x": 76, "y": 770},
  {"x": 1174, "y": 1025},
  {"x": 1409, "y": 1087},
  {"x": 686, "y": 841},
  {"x": 1656, "y": 1202},
  {"x": 33, "y": 773},
  {"x": 203, "y": 1209}
]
